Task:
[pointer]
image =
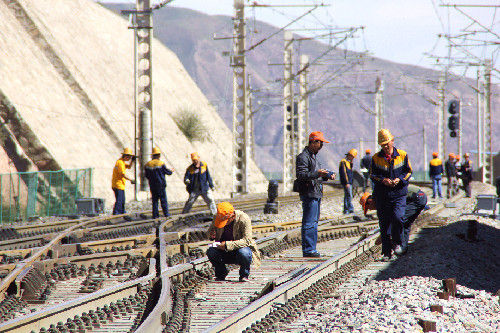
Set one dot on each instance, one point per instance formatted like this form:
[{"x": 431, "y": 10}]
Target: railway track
[
  {"x": 162, "y": 289},
  {"x": 52, "y": 273}
]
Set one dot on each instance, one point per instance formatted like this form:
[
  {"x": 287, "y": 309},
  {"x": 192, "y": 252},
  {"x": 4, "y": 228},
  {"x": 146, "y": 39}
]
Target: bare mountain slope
[
  {"x": 333, "y": 110},
  {"x": 67, "y": 70}
]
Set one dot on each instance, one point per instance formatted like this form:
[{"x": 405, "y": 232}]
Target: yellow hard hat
[
  {"x": 353, "y": 152},
  {"x": 384, "y": 136},
  {"x": 195, "y": 156},
  {"x": 156, "y": 151},
  {"x": 127, "y": 151}
]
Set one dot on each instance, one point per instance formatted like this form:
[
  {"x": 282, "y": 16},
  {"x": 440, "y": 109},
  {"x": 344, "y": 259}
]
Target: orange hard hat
[
  {"x": 363, "y": 200},
  {"x": 457, "y": 157},
  {"x": 368, "y": 151},
  {"x": 224, "y": 212},
  {"x": 466, "y": 155},
  {"x": 434, "y": 154},
  {"x": 451, "y": 155},
  {"x": 317, "y": 136}
]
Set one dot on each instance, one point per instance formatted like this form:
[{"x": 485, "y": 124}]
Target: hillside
[
  {"x": 66, "y": 96},
  {"x": 333, "y": 110}
]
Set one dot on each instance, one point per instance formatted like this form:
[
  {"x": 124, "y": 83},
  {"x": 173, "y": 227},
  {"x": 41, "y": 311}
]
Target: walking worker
[
  {"x": 118, "y": 180},
  {"x": 435, "y": 173},
  {"x": 416, "y": 200},
  {"x": 346, "y": 178},
  {"x": 365, "y": 164},
  {"x": 232, "y": 231},
  {"x": 309, "y": 184},
  {"x": 198, "y": 182},
  {"x": 451, "y": 175},
  {"x": 466, "y": 171},
  {"x": 155, "y": 171},
  {"x": 391, "y": 171}
]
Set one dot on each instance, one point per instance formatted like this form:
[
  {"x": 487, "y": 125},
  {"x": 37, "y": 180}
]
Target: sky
[{"x": 402, "y": 31}]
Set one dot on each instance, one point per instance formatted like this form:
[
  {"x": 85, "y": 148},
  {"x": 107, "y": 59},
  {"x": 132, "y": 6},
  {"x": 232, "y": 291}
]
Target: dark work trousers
[
  {"x": 390, "y": 220},
  {"x": 348, "y": 207},
  {"x": 162, "y": 196},
  {"x": 219, "y": 259},
  {"x": 467, "y": 187},
  {"x": 310, "y": 217},
  {"x": 412, "y": 210},
  {"x": 452, "y": 187},
  {"x": 119, "y": 207}
]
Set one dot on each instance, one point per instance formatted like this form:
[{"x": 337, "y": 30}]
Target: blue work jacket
[
  {"x": 192, "y": 177},
  {"x": 155, "y": 171},
  {"x": 397, "y": 166},
  {"x": 435, "y": 167},
  {"x": 345, "y": 172}
]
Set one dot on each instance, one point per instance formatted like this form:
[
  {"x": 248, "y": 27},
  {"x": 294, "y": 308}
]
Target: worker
[
  {"x": 466, "y": 174},
  {"x": 365, "y": 165},
  {"x": 346, "y": 178},
  {"x": 416, "y": 200},
  {"x": 391, "y": 171},
  {"x": 309, "y": 184},
  {"x": 119, "y": 178},
  {"x": 435, "y": 173},
  {"x": 198, "y": 182},
  {"x": 451, "y": 175},
  {"x": 232, "y": 231},
  {"x": 155, "y": 171}
]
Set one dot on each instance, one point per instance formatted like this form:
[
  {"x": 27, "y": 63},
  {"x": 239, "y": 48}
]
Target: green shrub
[{"x": 190, "y": 124}]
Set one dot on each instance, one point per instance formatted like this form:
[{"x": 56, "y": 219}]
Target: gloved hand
[
  {"x": 132, "y": 182},
  {"x": 212, "y": 188}
]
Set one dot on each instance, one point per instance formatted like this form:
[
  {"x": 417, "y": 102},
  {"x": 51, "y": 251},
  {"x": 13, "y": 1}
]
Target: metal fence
[{"x": 27, "y": 195}]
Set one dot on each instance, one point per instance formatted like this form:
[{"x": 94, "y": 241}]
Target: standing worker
[
  {"x": 155, "y": 171},
  {"x": 310, "y": 187},
  {"x": 451, "y": 175},
  {"x": 416, "y": 200},
  {"x": 391, "y": 171},
  {"x": 346, "y": 177},
  {"x": 232, "y": 231},
  {"x": 198, "y": 182},
  {"x": 435, "y": 173},
  {"x": 118, "y": 180},
  {"x": 466, "y": 171},
  {"x": 365, "y": 165}
]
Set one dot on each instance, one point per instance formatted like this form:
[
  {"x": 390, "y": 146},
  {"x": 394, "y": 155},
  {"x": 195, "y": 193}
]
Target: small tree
[{"x": 190, "y": 124}]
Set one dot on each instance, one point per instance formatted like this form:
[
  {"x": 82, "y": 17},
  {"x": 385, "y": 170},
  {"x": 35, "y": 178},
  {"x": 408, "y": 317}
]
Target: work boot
[
  {"x": 312, "y": 255},
  {"x": 398, "y": 250}
]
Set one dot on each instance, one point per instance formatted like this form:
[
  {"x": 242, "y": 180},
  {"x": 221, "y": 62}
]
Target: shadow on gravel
[{"x": 444, "y": 253}]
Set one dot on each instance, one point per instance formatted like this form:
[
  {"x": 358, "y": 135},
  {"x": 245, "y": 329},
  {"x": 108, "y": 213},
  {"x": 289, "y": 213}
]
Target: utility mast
[
  {"x": 143, "y": 85},
  {"x": 480, "y": 124},
  {"x": 303, "y": 109},
  {"x": 441, "y": 118},
  {"x": 288, "y": 116},
  {"x": 379, "y": 108},
  {"x": 488, "y": 149},
  {"x": 240, "y": 102}
]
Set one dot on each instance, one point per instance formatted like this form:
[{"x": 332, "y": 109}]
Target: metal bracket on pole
[
  {"x": 240, "y": 111},
  {"x": 288, "y": 116}
]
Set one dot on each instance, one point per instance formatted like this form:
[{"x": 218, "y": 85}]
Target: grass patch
[{"x": 190, "y": 124}]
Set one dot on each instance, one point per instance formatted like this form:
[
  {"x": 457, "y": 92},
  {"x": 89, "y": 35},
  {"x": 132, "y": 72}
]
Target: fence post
[
  {"x": 50, "y": 193},
  {"x": 61, "y": 197},
  {"x": 1, "y": 199}
]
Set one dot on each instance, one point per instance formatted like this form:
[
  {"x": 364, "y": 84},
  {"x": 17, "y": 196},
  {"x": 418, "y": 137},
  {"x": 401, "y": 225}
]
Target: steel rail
[
  {"x": 162, "y": 311},
  {"x": 244, "y": 318},
  {"x": 61, "y": 312}
]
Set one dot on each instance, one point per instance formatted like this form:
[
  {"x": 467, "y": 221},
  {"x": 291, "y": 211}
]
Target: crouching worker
[
  {"x": 232, "y": 232},
  {"x": 416, "y": 200}
]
